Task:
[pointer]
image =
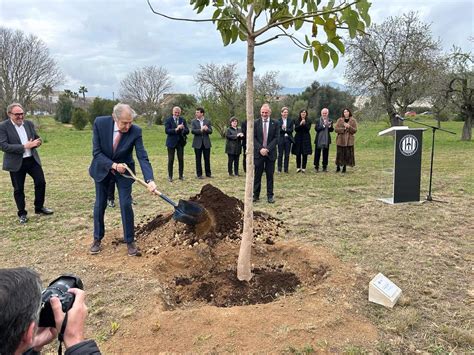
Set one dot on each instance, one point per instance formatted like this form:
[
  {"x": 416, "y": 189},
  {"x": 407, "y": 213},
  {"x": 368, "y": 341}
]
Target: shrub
[
  {"x": 64, "y": 109},
  {"x": 79, "y": 119}
]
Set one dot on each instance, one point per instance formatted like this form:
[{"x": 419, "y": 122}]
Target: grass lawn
[{"x": 426, "y": 249}]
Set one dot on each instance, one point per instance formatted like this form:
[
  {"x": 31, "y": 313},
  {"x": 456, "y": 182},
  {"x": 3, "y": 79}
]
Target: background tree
[
  {"x": 25, "y": 67},
  {"x": 143, "y": 89},
  {"x": 100, "y": 107},
  {"x": 83, "y": 90},
  {"x": 392, "y": 60},
  {"x": 221, "y": 83},
  {"x": 461, "y": 88},
  {"x": 186, "y": 102},
  {"x": 79, "y": 118},
  {"x": 252, "y": 20},
  {"x": 266, "y": 89},
  {"x": 64, "y": 109},
  {"x": 320, "y": 96}
]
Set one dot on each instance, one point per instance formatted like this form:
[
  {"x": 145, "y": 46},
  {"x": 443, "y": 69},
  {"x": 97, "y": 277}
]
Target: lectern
[{"x": 407, "y": 163}]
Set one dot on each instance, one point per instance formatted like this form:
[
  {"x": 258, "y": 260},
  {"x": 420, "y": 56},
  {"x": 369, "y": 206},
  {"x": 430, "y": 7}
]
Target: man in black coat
[
  {"x": 285, "y": 140},
  {"x": 19, "y": 141},
  {"x": 266, "y": 133}
]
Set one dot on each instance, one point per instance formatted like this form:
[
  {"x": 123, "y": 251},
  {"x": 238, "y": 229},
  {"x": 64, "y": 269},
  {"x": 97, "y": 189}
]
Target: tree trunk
[
  {"x": 390, "y": 108},
  {"x": 467, "y": 128},
  {"x": 244, "y": 272}
]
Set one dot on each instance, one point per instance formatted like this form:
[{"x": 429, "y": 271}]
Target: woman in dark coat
[
  {"x": 233, "y": 146},
  {"x": 346, "y": 127},
  {"x": 302, "y": 146}
]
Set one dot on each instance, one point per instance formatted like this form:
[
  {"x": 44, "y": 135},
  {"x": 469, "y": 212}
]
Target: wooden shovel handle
[{"x": 140, "y": 181}]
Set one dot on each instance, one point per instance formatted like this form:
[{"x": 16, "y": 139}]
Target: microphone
[{"x": 399, "y": 117}]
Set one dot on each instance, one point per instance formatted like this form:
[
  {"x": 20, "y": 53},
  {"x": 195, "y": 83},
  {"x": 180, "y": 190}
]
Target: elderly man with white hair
[{"x": 114, "y": 139}]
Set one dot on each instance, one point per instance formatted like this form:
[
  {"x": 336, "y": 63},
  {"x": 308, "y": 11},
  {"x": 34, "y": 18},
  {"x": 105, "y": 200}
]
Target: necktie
[
  {"x": 265, "y": 133},
  {"x": 116, "y": 141}
]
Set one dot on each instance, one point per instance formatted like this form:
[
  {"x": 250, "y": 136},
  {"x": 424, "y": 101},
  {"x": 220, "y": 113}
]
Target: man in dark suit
[
  {"x": 285, "y": 140},
  {"x": 19, "y": 141},
  {"x": 113, "y": 141},
  {"x": 201, "y": 128},
  {"x": 266, "y": 133},
  {"x": 176, "y": 130}
]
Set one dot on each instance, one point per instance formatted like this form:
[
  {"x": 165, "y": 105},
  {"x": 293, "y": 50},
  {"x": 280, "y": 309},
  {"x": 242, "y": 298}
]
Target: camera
[{"x": 58, "y": 288}]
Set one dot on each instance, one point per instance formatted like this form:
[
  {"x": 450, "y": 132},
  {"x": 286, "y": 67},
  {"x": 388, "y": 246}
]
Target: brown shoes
[{"x": 95, "y": 247}]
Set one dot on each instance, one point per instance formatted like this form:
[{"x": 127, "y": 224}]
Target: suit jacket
[
  {"x": 174, "y": 138},
  {"x": 10, "y": 144},
  {"x": 290, "y": 126},
  {"x": 102, "y": 150},
  {"x": 201, "y": 138},
  {"x": 272, "y": 139},
  {"x": 319, "y": 128}
]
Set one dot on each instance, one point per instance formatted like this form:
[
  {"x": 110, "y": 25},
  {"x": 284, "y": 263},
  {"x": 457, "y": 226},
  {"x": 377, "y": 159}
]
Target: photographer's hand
[
  {"x": 43, "y": 337},
  {"x": 74, "y": 332}
]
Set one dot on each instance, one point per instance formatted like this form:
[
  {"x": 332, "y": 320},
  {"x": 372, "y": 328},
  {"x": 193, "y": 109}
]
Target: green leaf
[
  {"x": 315, "y": 63},
  {"x": 242, "y": 35},
  {"x": 324, "y": 57},
  {"x": 318, "y": 20},
  {"x": 235, "y": 33},
  {"x": 307, "y": 40},
  {"x": 305, "y": 57},
  {"x": 298, "y": 24},
  {"x": 333, "y": 54},
  {"x": 339, "y": 45},
  {"x": 216, "y": 14}
]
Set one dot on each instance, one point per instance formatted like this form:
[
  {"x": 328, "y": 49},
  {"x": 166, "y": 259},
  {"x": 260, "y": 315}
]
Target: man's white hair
[{"x": 120, "y": 108}]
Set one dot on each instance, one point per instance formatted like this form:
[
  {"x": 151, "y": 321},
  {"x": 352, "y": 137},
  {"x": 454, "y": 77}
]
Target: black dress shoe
[
  {"x": 181, "y": 178},
  {"x": 271, "y": 200},
  {"x": 23, "y": 219},
  {"x": 44, "y": 210},
  {"x": 200, "y": 177},
  {"x": 170, "y": 179},
  {"x": 256, "y": 199}
]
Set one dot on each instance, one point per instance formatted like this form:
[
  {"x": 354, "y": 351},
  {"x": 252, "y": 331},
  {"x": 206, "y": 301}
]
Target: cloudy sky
[{"x": 97, "y": 42}]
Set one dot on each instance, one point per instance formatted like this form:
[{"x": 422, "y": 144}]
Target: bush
[
  {"x": 101, "y": 107},
  {"x": 79, "y": 118},
  {"x": 64, "y": 109}
]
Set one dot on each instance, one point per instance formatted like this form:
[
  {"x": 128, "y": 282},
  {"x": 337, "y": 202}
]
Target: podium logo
[{"x": 408, "y": 145}]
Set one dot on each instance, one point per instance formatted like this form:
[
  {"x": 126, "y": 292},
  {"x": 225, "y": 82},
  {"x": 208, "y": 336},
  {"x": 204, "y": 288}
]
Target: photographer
[{"x": 20, "y": 302}]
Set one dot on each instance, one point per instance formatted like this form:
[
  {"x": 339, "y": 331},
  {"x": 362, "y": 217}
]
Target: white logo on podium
[{"x": 408, "y": 145}]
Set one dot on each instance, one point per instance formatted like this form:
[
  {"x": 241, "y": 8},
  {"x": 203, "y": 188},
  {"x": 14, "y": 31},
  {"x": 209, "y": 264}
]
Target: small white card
[{"x": 383, "y": 291}]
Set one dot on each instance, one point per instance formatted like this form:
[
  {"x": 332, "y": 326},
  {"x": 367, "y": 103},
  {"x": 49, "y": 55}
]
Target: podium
[{"x": 407, "y": 163}]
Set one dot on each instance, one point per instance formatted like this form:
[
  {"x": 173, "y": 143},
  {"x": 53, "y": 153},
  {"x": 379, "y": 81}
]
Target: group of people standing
[
  {"x": 345, "y": 128},
  {"x": 115, "y": 138}
]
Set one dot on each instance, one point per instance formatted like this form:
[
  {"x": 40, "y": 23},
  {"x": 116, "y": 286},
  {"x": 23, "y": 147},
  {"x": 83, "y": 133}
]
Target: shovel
[{"x": 186, "y": 212}]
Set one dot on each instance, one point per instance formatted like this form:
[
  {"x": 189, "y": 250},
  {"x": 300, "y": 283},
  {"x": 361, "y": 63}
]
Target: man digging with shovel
[{"x": 113, "y": 141}]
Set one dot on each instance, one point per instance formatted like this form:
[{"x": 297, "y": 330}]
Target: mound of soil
[{"x": 212, "y": 279}]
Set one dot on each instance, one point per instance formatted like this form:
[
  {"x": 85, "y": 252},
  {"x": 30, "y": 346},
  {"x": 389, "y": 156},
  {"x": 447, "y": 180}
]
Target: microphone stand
[{"x": 433, "y": 129}]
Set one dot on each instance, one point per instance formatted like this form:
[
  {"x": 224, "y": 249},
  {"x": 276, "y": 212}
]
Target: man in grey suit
[
  {"x": 19, "y": 141},
  {"x": 201, "y": 128}
]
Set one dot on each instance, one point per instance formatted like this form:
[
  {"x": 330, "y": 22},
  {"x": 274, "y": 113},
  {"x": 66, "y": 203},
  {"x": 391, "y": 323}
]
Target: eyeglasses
[{"x": 18, "y": 114}]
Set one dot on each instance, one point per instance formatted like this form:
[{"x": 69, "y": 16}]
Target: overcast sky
[{"x": 97, "y": 42}]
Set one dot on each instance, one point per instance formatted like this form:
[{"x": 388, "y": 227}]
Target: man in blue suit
[
  {"x": 266, "y": 132},
  {"x": 114, "y": 139},
  {"x": 176, "y": 130}
]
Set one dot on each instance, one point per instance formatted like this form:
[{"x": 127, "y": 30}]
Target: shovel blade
[{"x": 189, "y": 212}]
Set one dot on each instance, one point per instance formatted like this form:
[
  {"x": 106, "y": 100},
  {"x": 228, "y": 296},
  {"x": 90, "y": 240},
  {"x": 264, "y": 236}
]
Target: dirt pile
[{"x": 203, "y": 268}]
